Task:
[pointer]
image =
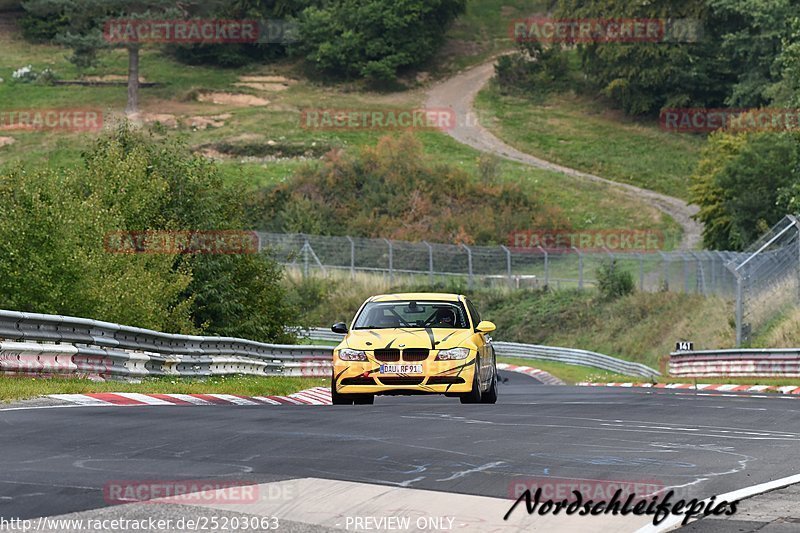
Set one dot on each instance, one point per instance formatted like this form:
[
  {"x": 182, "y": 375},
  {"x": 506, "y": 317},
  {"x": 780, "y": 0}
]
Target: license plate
[{"x": 401, "y": 369}]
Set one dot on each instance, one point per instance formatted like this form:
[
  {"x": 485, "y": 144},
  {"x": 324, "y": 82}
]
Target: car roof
[{"x": 422, "y": 296}]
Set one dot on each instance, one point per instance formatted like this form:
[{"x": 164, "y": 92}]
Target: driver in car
[{"x": 445, "y": 318}]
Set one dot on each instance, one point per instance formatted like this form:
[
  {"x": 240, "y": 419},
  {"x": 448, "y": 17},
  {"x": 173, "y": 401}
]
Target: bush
[
  {"x": 532, "y": 69},
  {"x": 53, "y": 257},
  {"x": 614, "y": 282},
  {"x": 394, "y": 191}
]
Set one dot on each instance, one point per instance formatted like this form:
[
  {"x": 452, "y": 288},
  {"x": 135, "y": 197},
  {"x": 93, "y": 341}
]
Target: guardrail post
[
  {"x": 430, "y": 261},
  {"x": 580, "y": 268},
  {"x": 508, "y": 266},
  {"x": 469, "y": 265},
  {"x": 391, "y": 260},
  {"x": 352, "y": 257},
  {"x": 546, "y": 266}
]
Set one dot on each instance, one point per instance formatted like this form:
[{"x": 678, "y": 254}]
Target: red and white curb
[
  {"x": 541, "y": 375},
  {"x": 788, "y": 389},
  {"x": 314, "y": 396}
]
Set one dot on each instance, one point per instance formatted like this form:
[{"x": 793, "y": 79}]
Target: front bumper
[{"x": 437, "y": 377}]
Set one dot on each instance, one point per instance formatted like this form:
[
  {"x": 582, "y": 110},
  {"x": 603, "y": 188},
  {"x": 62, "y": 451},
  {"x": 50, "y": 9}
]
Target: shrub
[
  {"x": 394, "y": 191},
  {"x": 614, "y": 282},
  {"x": 53, "y": 260}
]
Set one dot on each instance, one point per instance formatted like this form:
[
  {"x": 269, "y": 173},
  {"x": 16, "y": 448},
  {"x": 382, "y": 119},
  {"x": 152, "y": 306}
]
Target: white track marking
[
  {"x": 80, "y": 399},
  {"x": 674, "y": 522},
  {"x": 144, "y": 398},
  {"x": 233, "y": 399}
]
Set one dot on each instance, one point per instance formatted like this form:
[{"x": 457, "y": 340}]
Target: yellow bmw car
[{"x": 416, "y": 343}]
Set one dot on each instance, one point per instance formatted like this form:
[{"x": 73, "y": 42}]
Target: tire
[
  {"x": 339, "y": 399},
  {"x": 473, "y": 396},
  {"x": 490, "y": 395},
  {"x": 363, "y": 399}
]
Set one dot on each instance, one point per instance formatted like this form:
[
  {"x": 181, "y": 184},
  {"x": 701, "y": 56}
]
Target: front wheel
[
  {"x": 474, "y": 395},
  {"x": 339, "y": 399},
  {"x": 490, "y": 395}
]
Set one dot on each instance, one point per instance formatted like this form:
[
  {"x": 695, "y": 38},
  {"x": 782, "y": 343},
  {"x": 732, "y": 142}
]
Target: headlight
[
  {"x": 453, "y": 353},
  {"x": 346, "y": 354}
]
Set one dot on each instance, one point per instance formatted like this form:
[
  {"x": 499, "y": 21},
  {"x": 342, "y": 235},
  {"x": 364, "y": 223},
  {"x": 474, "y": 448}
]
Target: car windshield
[{"x": 408, "y": 313}]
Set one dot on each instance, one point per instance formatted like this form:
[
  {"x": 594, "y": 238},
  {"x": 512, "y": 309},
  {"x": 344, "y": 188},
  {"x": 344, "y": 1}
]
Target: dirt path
[{"x": 459, "y": 93}]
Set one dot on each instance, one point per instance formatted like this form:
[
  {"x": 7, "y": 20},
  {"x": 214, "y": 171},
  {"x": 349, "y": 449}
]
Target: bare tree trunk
[{"x": 133, "y": 80}]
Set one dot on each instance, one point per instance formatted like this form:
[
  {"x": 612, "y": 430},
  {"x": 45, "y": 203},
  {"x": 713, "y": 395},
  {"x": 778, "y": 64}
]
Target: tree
[
  {"x": 643, "y": 77},
  {"x": 744, "y": 184},
  {"x": 82, "y": 24},
  {"x": 55, "y": 258},
  {"x": 374, "y": 38}
]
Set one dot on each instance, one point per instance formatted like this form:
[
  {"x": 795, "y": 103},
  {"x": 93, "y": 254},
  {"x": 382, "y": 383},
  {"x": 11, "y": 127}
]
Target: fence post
[
  {"x": 305, "y": 257},
  {"x": 391, "y": 261},
  {"x": 546, "y": 266},
  {"x": 665, "y": 268},
  {"x": 469, "y": 264},
  {"x": 685, "y": 274},
  {"x": 508, "y": 265},
  {"x": 641, "y": 272},
  {"x": 580, "y": 268},
  {"x": 352, "y": 257},
  {"x": 430, "y": 261},
  {"x": 739, "y": 311}
]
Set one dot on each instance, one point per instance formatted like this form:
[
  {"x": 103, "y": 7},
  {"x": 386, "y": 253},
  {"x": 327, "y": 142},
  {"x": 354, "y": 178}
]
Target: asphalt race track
[{"x": 56, "y": 461}]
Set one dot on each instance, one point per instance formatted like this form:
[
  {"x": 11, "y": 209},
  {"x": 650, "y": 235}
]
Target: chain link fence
[
  {"x": 767, "y": 279},
  {"x": 763, "y": 281},
  {"x": 689, "y": 272}
]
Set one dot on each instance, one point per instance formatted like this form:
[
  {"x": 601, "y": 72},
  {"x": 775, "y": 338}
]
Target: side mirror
[
  {"x": 339, "y": 327},
  {"x": 485, "y": 327}
]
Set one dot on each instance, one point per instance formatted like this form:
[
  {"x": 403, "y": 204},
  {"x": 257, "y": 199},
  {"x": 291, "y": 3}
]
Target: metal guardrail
[
  {"x": 768, "y": 362},
  {"x": 569, "y": 356},
  {"x": 35, "y": 344}
]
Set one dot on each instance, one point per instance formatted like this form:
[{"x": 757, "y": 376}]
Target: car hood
[{"x": 432, "y": 338}]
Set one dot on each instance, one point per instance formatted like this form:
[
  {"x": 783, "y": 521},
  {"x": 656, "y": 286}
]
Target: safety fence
[
  {"x": 736, "y": 363},
  {"x": 36, "y": 344},
  {"x": 702, "y": 272},
  {"x": 762, "y": 283},
  {"x": 569, "y": 356}
]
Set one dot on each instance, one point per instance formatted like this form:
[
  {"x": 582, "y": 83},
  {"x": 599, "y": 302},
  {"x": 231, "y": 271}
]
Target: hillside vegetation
[{"x": 638, "y": 327}]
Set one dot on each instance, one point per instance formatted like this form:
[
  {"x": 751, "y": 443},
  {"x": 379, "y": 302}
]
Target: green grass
[
  {"x": 18, "y": 388},
  {"x": 583, "y": 133},
  {"x": 575, "y": 203},
  {"x": 483, "y": 31},
  {"x": 570, "y": 374}
]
